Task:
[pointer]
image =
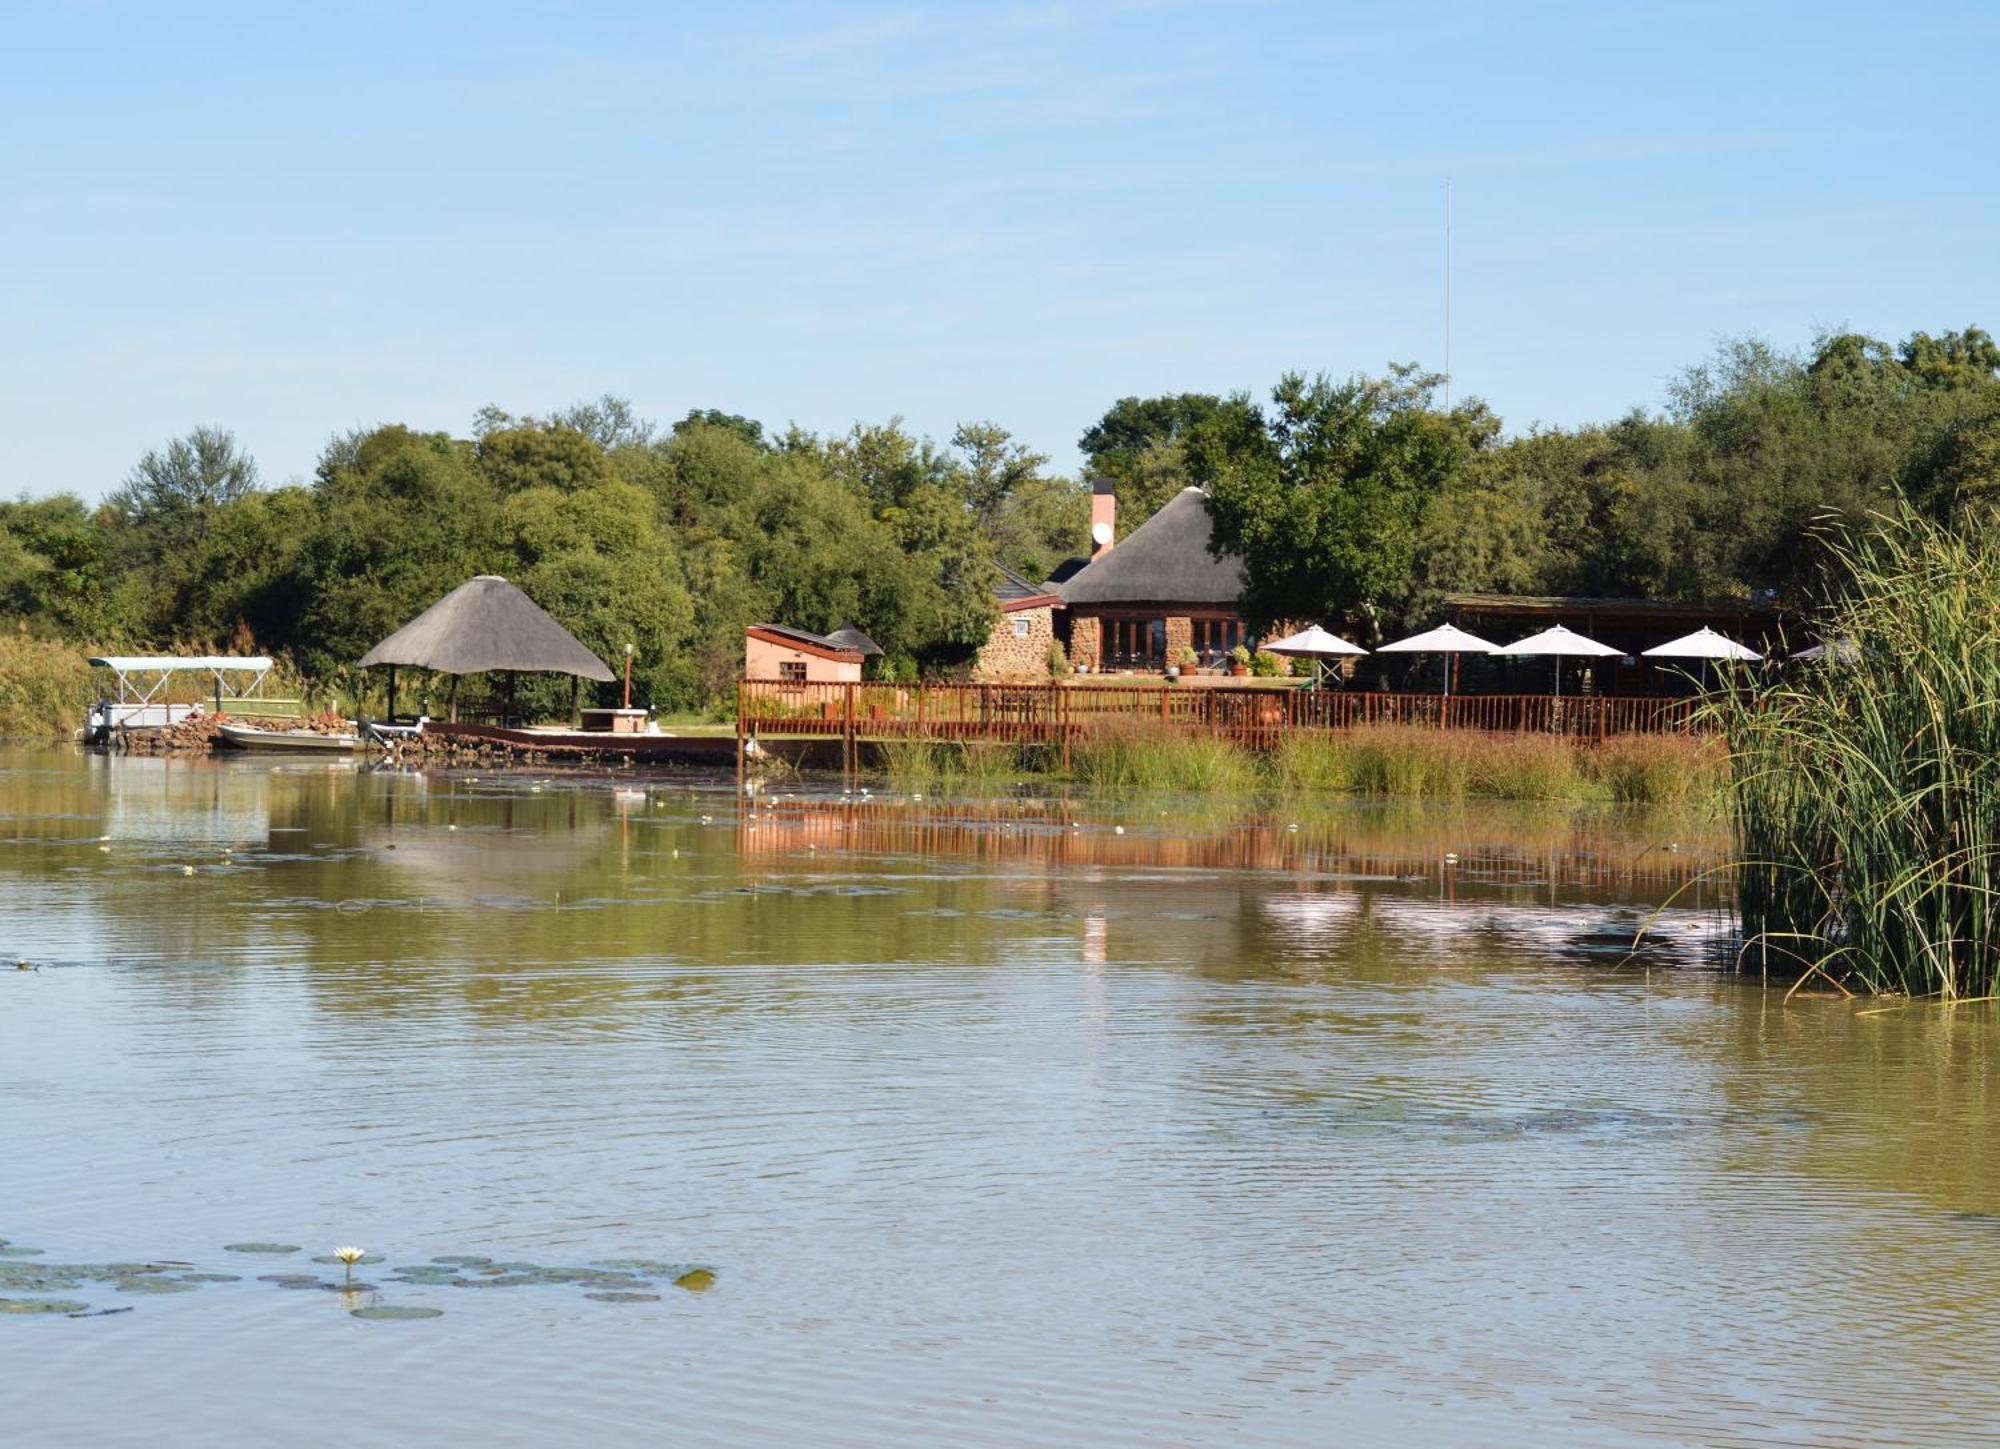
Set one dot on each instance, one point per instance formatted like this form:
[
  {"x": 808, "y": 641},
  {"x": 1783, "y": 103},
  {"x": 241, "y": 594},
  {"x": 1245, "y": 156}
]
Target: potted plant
[
  {"x": 1181, "y": 662},
  {"x": 1239, "y": 662}
]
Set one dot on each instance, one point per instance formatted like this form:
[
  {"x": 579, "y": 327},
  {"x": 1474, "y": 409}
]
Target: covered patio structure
[{"x": 486, "y": 626}]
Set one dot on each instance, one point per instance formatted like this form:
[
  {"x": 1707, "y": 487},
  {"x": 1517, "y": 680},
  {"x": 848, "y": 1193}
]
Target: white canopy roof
[
  {"x": 1560, "y": 641},
  {"x": 1445, "y": 639},
  {"x": 1312, "y": 640},
  {"x": 1703, "y": 643},
  {"x": 1833, "y": 651},
  {"x": 167, "y": 663}
]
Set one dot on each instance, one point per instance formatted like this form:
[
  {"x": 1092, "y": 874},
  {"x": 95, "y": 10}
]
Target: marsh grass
[
  {"x": 1866, "y": 792},
  {"x": 1378, "y": 761},
  {"x": 1145, "y": 755},
  {"x": 46, "y": 688},
  {"x": 971, "y": 765},
  {"x": 1408, "y": 762}
]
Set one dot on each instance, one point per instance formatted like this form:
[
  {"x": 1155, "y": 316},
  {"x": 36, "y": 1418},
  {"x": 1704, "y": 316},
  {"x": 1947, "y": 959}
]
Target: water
[{"x": 996, "y": 1126}]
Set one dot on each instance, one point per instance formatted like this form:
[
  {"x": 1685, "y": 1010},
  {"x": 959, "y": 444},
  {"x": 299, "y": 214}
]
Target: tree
[
  {"x": 173, "y": 492},
  {"x": 1327, "y": 513},
  {"x": 1141, "y": 444},
  {"x": 994, "y": 465},
  {"x": 551, "y": 456},
  {"x": 748, "y": 429}
]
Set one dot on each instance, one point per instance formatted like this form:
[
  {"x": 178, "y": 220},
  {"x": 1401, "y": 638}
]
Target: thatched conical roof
[
  {"x": 1166, "y": 559},
  {"x": 848, "y": 636},
  {"x": 485, "y": 625}
]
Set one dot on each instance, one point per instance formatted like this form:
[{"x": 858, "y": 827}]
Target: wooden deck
[{"x": 1250, "y": 715}]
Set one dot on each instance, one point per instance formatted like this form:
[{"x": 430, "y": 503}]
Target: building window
[
  {"x": 1134, "y": 641},
  {"x": 1020, "y": 626},
  {"x": 792, "y": 671},
  {"x": 1214, "y": 638}
]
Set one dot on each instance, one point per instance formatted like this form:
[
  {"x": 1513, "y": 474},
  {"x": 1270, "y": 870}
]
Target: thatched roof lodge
[{"x": 1160, "y": 589}]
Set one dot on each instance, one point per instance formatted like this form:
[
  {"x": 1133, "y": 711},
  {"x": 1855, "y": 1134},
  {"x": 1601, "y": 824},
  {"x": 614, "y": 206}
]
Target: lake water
[{"x": 1004, "y": 1124}]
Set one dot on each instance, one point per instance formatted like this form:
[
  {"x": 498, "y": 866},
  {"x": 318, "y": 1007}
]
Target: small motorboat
[{"x": 247, "y": 737}]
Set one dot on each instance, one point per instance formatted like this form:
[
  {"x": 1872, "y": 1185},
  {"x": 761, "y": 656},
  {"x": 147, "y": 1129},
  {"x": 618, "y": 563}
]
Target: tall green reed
[{"x": 1866, "y": 789}]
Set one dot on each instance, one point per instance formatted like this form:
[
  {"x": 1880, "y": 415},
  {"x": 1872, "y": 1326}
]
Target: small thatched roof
[
  {"x": 847, "y": 636},
  {"x": 1163, "y": 560},
  {"x": 485, "y": 625}
]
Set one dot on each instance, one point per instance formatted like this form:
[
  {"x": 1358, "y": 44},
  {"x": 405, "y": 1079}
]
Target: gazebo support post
[
  {"x": 392, "y": 694},
  {"x": 507, "y": 710},
  {"x": 575, "y": 686},
  {"x": 454, "y": 699}
]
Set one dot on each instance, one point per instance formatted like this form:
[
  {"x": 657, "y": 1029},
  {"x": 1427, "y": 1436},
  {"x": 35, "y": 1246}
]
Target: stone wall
[
  {"x": 1086, "y": 642},
  {"x": 1180, "y": 635},
  {"x": 1015, "y": 656}
]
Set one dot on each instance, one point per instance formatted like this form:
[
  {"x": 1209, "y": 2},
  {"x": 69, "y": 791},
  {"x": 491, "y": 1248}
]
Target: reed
[
  {"x": 1132, "y": 754},
  {"x": 46, "y": 688},
  {"x": 956, "y": 764},
  {"x": 1866, "y": 790},
  {"x": 1411, "y": 762}
]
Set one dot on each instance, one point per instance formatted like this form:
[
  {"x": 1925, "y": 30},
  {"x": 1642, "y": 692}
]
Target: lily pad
[
  {"x": 275, "y": 1250},
  {"x": 284, "y": 1278},
  {"x": 461, "y": 1260},
  {"x": 505, "y": 1280},
  {"x": 355, "y": 1287},
  {"x": 101, "y": 1312},
  {"x": 41, "y": 1305},
  {"x": 389, "y": 1313},
  {"x": 696, "y": 1280},
  {"x": 13, "y": 1252},
  {"x": 364, "y": 1258},
  {"x": 154, "y": 1285},
  {"x": 211, "y": 1278},
  {"x": 624, "y": 1297}
]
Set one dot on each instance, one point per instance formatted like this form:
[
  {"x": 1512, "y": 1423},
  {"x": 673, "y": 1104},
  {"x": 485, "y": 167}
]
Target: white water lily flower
[{"x": 350, "y": 1256}]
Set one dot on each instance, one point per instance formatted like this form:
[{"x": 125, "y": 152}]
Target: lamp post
[{"x": 628, "y": 676}]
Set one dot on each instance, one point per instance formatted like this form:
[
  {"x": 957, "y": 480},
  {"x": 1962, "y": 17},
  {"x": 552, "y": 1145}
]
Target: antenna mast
[{"x": 1447, "y": 294}]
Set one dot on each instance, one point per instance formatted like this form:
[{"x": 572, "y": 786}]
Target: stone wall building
[{"x": 1018, "y": 649}]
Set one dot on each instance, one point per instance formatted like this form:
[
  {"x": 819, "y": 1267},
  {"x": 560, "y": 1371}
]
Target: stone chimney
[{"x": 1103, "y": 517}]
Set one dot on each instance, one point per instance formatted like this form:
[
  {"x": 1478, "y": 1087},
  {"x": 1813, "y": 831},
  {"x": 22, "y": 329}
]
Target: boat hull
[{"x": 243, "y": 737}]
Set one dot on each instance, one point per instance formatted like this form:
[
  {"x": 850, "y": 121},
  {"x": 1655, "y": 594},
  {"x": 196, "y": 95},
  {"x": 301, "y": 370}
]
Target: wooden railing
[{"x": 1051, "y": 713}]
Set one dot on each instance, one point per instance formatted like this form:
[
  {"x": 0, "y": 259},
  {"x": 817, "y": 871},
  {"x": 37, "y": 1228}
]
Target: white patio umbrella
[
  {"x": 1315, "y": 643},
  {"x": 1703, "y": 643},
  {"x": 1560, "y": 642},
  {"x": 1445, "y": 639}
]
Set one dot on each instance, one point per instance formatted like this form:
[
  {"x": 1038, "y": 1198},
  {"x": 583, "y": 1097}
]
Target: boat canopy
[
  {"x": 169, "y": 663},
  {"x": 142, "y": 678}
]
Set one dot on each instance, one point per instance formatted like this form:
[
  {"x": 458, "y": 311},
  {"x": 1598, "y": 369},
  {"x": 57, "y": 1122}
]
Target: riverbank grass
[{"x": 46, "y": 688}]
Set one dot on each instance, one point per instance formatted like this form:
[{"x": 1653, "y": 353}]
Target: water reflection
[{"x": 1259, "y": 1124}]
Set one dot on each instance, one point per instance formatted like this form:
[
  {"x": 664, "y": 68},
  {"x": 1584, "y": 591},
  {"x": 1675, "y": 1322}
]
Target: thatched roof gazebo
[{"x": 485, "y": 625}]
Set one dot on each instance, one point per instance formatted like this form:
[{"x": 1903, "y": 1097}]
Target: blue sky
[{"x": 292, "y": 220}]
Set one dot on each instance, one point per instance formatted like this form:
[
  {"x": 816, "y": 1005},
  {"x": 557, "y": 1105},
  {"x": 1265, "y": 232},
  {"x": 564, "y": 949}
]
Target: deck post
[
  {"x": 847, "y": 731},
  {"x": 392, "y": 694},
  {"x": 740, "y": 703},
  {"x": 454, "y": 699}
]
